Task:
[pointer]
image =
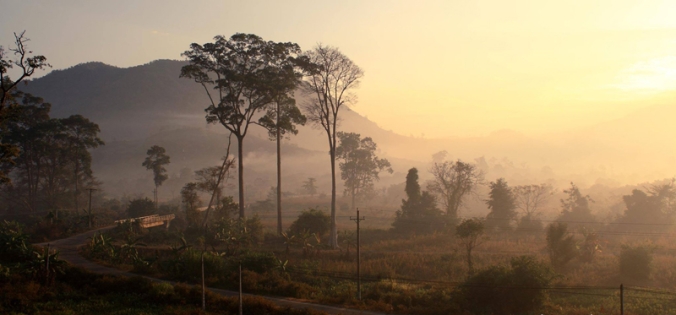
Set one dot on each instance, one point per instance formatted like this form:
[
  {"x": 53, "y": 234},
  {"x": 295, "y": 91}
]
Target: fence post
[
  {"x": 204, "y": 299},
  {"x": 240, "y": 289},
  {"x": 47, "y": 264}
]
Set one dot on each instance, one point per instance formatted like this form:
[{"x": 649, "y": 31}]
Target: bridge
[{"x": 151, "y": 220}]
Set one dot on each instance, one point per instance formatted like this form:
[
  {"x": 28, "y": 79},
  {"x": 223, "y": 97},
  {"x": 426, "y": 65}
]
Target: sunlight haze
[{"x": 436, "y": 69}]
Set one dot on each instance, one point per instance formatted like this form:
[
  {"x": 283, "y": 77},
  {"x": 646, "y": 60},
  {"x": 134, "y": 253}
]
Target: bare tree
[
  {"x": 213, "y": 181},
  {"x": 331, "y": 78},
  {"x": 530, "y": 198},
  {"x": 453, "y": 181},
  {"x": 27, "y": 65}
]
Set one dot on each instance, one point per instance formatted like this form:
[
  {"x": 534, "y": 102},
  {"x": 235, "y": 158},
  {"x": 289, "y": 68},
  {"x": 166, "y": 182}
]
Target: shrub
[
  {"x": 528, "y": 224},
  {"x": 140, "y": 207},
  {"x": 636, "y": 262},
  {"x": 515, "y": 289},
  {"x": 560, "y": 244},
  {"x": 258, "y": 262},
  {"x": 313, "y": 221}
]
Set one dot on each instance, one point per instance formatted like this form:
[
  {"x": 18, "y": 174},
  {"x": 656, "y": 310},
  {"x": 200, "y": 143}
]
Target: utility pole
[
  {"x": 204, "y": 298},
  {"x": 358, "y": 219},
  {"x": 240, "y": 290},
  {"x": 621, "y": 299},
  {"x": 90, "y": 206}
]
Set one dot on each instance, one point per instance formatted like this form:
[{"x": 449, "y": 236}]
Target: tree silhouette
[
  {"x": 282, "y": 118},
  {"x": 469, "y": 232},
  {"x": 81, "y": 135},
  {"x": 191, "y": 201},
  {"x": 529, "y": 199},
  {"x": 16, "y": 56},
  {"x": 309, "y": 186},
  {"x": 332, "y": 76},
  {"x": 242, "y": 77},
  {"x": 419, "y": 213},
  {"x": 54, "y": 156},
  {"x": 502, "y": 205},
  {"x": 155, "y": 161},
  {"x": 452, "y": 182},
  {"x": 360, "y": 166},
  {"x": 575, "y": 208}
]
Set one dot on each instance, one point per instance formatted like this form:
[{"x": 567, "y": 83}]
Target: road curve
[{"x": 68, "y": 251}]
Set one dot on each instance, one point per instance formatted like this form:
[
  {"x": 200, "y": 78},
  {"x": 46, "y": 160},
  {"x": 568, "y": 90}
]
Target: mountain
[{"x": 141, "y": 106}]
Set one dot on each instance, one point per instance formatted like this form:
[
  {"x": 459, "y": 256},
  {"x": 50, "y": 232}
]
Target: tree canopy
[
  {"x": 242, "y": 76},
  {"x": 331, "y": 78},
  {"x": 502, "y": 205},
  {"x": 418, "y": 213},
  {"x": 360, "y": 166},
  {"x": 453, "y": 181}
]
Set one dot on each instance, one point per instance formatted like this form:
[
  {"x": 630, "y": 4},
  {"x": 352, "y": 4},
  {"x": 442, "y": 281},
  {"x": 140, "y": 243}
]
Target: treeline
[
  {"x": 45, "y": 163},
  {"x": 519, "y": 208}
]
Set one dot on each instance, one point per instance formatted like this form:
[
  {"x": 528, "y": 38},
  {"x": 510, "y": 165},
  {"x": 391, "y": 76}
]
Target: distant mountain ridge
[{"x": 148, "y": 104}]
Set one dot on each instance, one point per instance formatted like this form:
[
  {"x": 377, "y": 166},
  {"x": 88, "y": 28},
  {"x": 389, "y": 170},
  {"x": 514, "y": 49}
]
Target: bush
[
  {"x": 517, "y": 289},
  {"x": 636, "y": 262},
  {"x": 313, "y": 221},
  {"x": 560, "y": 244},
  {"x": 528, "y": 224},
  {"x": 258, "y": 262},
  {"x": 140, "y": 207}
]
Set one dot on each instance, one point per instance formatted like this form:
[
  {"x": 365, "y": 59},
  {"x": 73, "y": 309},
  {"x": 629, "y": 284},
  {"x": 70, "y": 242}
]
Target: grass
[{"x": 438, "y": 264}]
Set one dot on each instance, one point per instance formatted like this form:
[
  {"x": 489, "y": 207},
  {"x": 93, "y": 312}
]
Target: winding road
[{"x": 69, "y": 252}]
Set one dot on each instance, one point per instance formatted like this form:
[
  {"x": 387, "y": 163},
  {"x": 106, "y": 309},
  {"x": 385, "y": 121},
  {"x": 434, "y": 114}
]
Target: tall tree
[
  {"x": 155, "y": 161},
  {"x": 453, "y": 181},
  {"x": 191, "y": 201},
  {"x": 419, "y": 213},
  {"x": 16, "y": 56},
  {"x": 502, "y": 205},
  {"x": 575, "y": 208},
  {"x": 54, "y": 155},
  {"x": 240, "y": 77},
  {"x": 81, "y": 135},
  {"x": 282, "y": 118},
  {"x": 310, "y": 186},
  {"x": 649, "y": 211},
  {"x": 332, "y": 77},
  {"x": 360, "y": 166},
  {"x": 26, "y": 132}
]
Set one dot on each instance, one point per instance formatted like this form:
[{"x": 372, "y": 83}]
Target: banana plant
[
  {"x": 288, "y": 240},
  {"x": 177, "y": 251},
  {"x": 129, "y": 249},
  {"x": 349, "y": 240},
  {"x": 304, "y": 238}
]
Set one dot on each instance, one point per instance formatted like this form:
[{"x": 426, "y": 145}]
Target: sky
[{"x": 436, "y": 69}]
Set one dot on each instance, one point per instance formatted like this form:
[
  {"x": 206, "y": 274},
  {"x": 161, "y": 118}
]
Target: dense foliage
[{"x": 515, "y": 289}]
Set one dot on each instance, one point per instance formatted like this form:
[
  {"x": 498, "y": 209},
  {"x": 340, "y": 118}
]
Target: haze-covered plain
[{"x": 497, "y": 158}]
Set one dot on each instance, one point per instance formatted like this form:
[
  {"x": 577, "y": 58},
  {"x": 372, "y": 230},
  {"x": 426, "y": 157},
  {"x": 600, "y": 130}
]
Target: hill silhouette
[{"x": 149, "y": 104}]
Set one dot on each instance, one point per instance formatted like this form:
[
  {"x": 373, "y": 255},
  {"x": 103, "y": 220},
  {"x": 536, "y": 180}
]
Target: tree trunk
[
  {"x": 333, "y": 238},
  {"x": 470, "y": 266},
  {"x": 240, "y": 175},
  {"x": 77, "y": 188},
  {"x": 279, "y": 177}
]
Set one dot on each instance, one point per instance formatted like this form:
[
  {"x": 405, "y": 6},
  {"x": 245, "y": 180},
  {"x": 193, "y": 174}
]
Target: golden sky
[{"x": 438, "y": 68}]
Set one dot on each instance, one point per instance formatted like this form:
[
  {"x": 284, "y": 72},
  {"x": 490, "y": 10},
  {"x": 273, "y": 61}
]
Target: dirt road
[{"x": 68, "y": 248}]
